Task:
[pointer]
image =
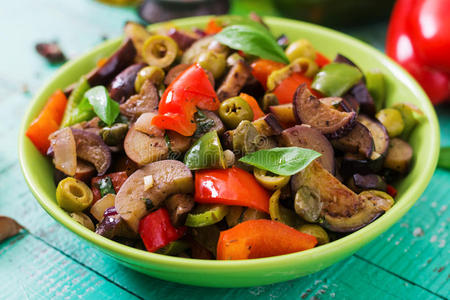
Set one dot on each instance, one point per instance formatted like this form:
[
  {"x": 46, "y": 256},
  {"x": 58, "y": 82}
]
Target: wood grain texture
[{"x": 409, "y": 261}]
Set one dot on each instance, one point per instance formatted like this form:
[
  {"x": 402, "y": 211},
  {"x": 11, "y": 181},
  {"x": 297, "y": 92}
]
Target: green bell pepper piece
[
  {"x": 377, "y": 87},
  {"x": 335, "y": 79},
  {"x": 206, "y": 153},
  {"x": 409, "y": 119},
  {"x": 206, "y": 214},
  {"x": 174, "y": 248},
  {"x": 75, "y": 98}
]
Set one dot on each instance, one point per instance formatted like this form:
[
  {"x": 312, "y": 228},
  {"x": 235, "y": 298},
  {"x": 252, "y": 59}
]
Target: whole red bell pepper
[
  {"x": 231, "y": 186},
  {"x": 157, "y": 231},
  {"x": 418, "y": 39},
  {"x": 191, "y": 89}
]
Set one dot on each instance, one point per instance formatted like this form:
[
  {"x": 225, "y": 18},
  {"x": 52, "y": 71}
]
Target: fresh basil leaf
[
  {"x": 252, "y": 40},
  {"x": 283, "y": 161},
  {"x": 240, "y": 20},
  {"x": 83, "y": 112},
  {"x": 104, "y": 107},
  {"x": 444, "y": 158}
]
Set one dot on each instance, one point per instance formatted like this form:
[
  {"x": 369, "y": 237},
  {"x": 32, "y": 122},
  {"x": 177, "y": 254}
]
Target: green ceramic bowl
[{"x": 400, "y": 87}]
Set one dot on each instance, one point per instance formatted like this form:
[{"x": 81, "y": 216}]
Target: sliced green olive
[
  {"x": 307, "y": 204},
  {"x": 115, "y": 134},
  {"x": 317, "y": 231},
  {"x": 174, "y": 248},
  {"x": 300, "y": 48},
  {"x": 303, "y": 65},
  {"x": 245, "y": 138},
  {"x": 392, "y": 120},
  {"x": 160, "y": 51},
  {"x": 270, "y": 181},
  {"x": 83, "y": 219},
  {"x": 73, "y": 195},
  {"x": 230, "y": 158},
  {"x": 280, "y": 213},
  {"x": 234, "y": 110},
  {"x": 234, "y": 59},
  {"x": 233, "y": 216},
  {"x": 409, "y": 115},
  {"x": 267, "y": 101},
  {"x": 206, "y": 214},
  {"x": 213, "y": 62},
  {"x": 153, "y": 73}
]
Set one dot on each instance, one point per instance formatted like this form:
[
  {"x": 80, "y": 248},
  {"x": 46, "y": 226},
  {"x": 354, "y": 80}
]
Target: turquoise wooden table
[{"x": 409, "y": 261}]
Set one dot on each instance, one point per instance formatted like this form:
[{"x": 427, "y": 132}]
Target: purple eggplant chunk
[
  {"x": 183, "y": 39},
  {"x": 359, "y": 183},
  {"x": 359, "y": 140},
  {"x": 122, "y": 86}
]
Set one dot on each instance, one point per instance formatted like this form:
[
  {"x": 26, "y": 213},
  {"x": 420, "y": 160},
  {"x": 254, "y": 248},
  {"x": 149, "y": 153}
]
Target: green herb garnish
[
  {"x": 105, "y": 186},
  {"x": 97, "y": 100},
  {"x": 283, "y": 161}
]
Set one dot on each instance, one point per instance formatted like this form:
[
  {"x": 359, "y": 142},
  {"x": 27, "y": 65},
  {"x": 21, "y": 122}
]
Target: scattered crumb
[
  {"x": 428, "y": 260},
  {"x": 433, "y": 204},
  {"x": 433, "y": 239},
  {"x": 440, "y": 269},
  {"x": 332, "y": 295},
  {"x": 104, "y": 37},
  {"x": 404, "y": 225},
  {"x": 317, "y": 282},
  {"x": 51, "y": 52},
  {"x": 25, "y": 88},
  {"x": 321, "y": 291},
  {"x": 418, "y": 232},
  {"x": 441, "y": 244},
  {"x": 304, "y": 295}
]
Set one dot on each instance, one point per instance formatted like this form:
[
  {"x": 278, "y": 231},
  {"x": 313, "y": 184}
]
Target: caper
[
  {"x": 317, "y": 231},
  {"x": 152, "y": 73},
  {"x": 392, "y": 120},
  {"x": 229, "y": 158},
  {"x": 115, "y": 134},
  {"x": 73, "y": 195},
  {"x": 213, "y": 62},
  {"x": 234, "y": 110},
  {"x": 268, "y": 100},
  {"x": 234, "y": 59},
  {"x": 83, "y": 219},
  {"x": 245, "y": 138},
  {"x": 300, "y": 48},
  {"x": 160, "y": 51},
  {"x": 270, "y": 181}
]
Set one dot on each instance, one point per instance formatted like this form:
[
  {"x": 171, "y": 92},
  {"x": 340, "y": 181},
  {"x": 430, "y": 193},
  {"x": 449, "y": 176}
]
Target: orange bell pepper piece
[
  {"x": 257, "y": 111},
  {"x": 231, "y": 186},
  {"x": 321, "y": 60},
  {"x": 286, "y": 89},
  {"x": 47, "y": 122},
  {"x": 212, "y": 27},
  {"x": 261, "y": 238},
  {"x": 262, "y": 68}
]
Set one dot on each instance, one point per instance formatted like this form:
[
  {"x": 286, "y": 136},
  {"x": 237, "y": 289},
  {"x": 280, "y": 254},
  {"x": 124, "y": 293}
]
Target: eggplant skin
[
  {"x": 358, "y": 140},
  {"x": 329, "y": 121},
  {"x": 234, "y": 81},
  {"x": 357, "y": 163},
  {"x": 307, "y": 137},
  {"x": 122, "y": 86},
  {"x": 121, "y": 59}
]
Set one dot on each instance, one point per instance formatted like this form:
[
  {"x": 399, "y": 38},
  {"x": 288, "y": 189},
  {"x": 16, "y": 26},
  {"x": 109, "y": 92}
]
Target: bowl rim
[{"x": 347, "y": 244}]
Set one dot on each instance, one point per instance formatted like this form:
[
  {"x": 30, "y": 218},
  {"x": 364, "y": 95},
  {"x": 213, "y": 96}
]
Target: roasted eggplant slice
[
  {"x": 218, "y": 124},
  {"x": 178, "y": 206},
  {"x": 379, "y": 135},
  {"x": 330, "y": 122},
  {"x": 361, "y": 94},
  {"x": 307, "y": 137},
  {"x": 356, "y": 163},
  {"x": 143, "y": 149},
  {"x": 135, "y": 198},
  {"x": 359, "y": 183},
  {"x": 146, "y": 101},
  {"x": 268, "y": 125},
  {"x": 174, "y": 72},
  {"x": 234, "y": 81},
  {"x": 358, "y": 140},
  {"x": 91, "y": 148},
  {"x": 399, "y": 156},
  {"x": 284, "y": 113},
  {"x": 318, "y": 185},
  {"x": 373, "y": 204},
  {"x": 122, "y": 86},
  {"x": 121, "y": 59}
]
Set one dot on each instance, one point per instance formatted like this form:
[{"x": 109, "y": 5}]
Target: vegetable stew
[{"x": 224, "y": 144}]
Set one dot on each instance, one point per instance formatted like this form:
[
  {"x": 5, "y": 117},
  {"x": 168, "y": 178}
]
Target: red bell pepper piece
[
  {"x": 418, "y": 40},
  {"x": 391, "y": 190},
  {"x": 213, "y": 27},
  {"x": 286, "y": 89},
  {"x": 117, "y": 179},
  {"x": 157, "y": 231},
  {"x": 48, "y": 121},
  {"x": 261, "y": 238},
  {"x": 257, "y": 111},
  {"x": 178, "y": 104},
  {"x": 261, "y": 69},
  {"x": 321, "y": 60},
  {"x": 231, "y": 186}
]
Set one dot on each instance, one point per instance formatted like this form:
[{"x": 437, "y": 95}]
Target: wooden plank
[{"x": 30, "y": 269}]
